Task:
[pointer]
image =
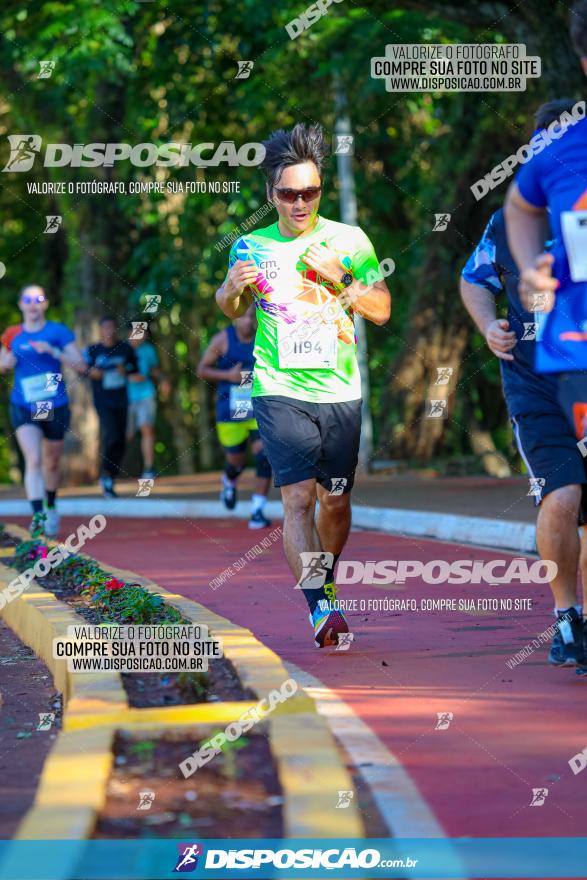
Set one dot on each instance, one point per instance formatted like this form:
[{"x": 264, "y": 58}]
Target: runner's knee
[
  {"x": 562, "y": 502},
  {"x": 232, "y": 471},
  {"x": 262, "y": 466},
  {"x": 299, "y": 500}
]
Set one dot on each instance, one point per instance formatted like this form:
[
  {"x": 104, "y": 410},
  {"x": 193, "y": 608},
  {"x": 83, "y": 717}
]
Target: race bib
[
  {"x": 241, "y": 403},
  {"x": 38, "y": 387},
  {"x": 574, "y": 229},
  {"x": 307, "y": 347},
  {"x": 113, "y": 379}
]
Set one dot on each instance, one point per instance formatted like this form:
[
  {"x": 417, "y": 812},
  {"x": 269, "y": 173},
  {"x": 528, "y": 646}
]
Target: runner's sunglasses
[
  {"x": 27, "y": 300},
  {"x": 291, "y": 195}
]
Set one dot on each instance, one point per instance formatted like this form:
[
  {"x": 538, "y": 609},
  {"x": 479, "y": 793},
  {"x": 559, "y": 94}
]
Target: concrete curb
[
  {"x": 76, "y": 772},
  {"x": 481, "y": 531}
]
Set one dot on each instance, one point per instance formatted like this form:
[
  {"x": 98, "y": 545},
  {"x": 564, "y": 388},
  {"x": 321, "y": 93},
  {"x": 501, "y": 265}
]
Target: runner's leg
[
  {"x": 262, "y": 479},
  {"x": 557, "y": 539},
  {"x": 334, "y": 520},
  {"x": 299, "y": 529},
  {"x": 148, "y": 446},
  {"x": 30, "y": 438}
]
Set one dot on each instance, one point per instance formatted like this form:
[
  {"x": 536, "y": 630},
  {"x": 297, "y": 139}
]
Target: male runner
[
  {"x": 229, "y": 361},
  {"x": 110, "y": 362},
  {"x": 555, "y": 180},
  {"x": 306, "y": 275},
  {"x": 541, "y": 430},
  {"x": 142, "y": 399},
  {"x": 38, "y": 350}
]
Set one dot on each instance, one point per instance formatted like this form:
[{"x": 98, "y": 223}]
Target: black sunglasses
[{"x": 291, "y": 195}]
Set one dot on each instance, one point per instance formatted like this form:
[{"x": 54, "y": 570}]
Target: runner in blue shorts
[
  {"x": 38, "y": 350},
  {"x": 552, "y": 188}
]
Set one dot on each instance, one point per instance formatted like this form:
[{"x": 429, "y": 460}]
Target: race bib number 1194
[{"x": 299, "y": 350}]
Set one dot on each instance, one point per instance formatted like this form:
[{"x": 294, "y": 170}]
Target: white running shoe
[{"x": 52, "y": 522}]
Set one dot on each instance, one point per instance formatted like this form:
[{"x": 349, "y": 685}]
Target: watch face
[{"x": 346, "y": 279}]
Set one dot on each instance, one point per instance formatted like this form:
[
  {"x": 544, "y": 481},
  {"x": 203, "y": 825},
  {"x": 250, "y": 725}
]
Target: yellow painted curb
[
  {"x": 305, "y": 752},
  {"x": 72, "y": 787},
  {"x": 37, "y": 617}
]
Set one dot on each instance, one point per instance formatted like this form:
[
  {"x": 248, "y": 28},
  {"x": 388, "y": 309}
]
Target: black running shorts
[{"x": 305, "y": 441}]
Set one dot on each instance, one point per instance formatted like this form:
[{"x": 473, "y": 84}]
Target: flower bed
[{"x": 102, "y": 599}]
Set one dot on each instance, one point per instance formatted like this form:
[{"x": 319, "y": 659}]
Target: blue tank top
[{"x": 233, "y": 402}]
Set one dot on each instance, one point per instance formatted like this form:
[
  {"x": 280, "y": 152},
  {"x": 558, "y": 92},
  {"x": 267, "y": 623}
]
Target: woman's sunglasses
[
  {"x": 291, "y": 195},
  {"x": 28, "y": 300}
]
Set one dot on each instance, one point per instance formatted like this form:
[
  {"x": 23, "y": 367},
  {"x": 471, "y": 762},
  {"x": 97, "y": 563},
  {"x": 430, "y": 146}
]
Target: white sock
[
  {"x": 578, "y": 608},
  {"x": 258, "y": 503}
]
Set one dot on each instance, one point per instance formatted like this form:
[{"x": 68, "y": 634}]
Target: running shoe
[
  {"x": 52, "y": 523},
  {"x": 37, "y": 525},
  {"x": 567, "y": 641},
  {"x": 328, "y": 624},
  {"x": 582, "y": 667},
  {"x": 258, "y": 520},
  {"x": 228, "y": 494},
  {"x": 107, "y": 484}
]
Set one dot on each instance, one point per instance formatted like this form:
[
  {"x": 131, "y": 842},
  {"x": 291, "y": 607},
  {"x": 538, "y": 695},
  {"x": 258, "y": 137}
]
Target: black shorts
[
  {"x": 305, "y": 441},
  {"x": 53, "y": 428}
]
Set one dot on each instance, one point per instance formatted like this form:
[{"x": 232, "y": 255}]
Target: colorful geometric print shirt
[
  {"x": 305, "y": 345},
  {"x": 37, "y": 376}
]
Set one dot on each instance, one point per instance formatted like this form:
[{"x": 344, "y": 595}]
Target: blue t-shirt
[
  {"x": 492, "y": 266},
  {"x": 37, "y": 376},
  {"x": 147, "y": 360},
  {"x": 556, "y": 178}
]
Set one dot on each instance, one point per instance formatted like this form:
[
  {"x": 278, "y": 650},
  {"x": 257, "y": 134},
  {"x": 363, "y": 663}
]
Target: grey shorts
[{"x": 141, "y": 412}]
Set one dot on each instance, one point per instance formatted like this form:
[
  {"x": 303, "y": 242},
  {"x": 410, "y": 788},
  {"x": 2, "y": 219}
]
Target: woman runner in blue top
[{"x": 37, "y": 350}]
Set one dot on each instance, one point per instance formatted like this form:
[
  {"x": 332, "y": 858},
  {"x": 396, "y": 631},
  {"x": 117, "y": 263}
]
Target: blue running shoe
[
  {"x": 567, "y": 641},
  {"x": 327, "y": 623}
]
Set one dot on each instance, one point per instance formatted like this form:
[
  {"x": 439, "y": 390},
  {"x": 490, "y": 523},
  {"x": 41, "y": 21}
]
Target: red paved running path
[{"x": 513, "y": 730}]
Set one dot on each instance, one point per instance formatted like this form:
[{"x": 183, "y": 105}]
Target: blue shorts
[
  {"x": 53, "y": 427},
  {"x": 547, "y": 442}
]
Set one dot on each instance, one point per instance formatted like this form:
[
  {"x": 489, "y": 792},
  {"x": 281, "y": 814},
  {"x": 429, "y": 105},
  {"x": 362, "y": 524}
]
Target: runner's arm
[
  {"x": 480, "y": 304},
  {"x": 207, "y": 370},
  {"x": 72, "y": 357},
  {"x": 527, "y": 230},
  {"x": 232, "y": 297},
  {"x": 7, "y": 360},
  {"x": 372, "y": 302}
]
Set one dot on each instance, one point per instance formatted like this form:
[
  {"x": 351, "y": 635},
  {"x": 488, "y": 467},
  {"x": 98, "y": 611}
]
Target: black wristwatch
[{"x": 346, "y": 280}]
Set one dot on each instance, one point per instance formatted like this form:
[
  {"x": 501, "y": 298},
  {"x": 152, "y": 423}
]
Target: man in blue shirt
[
  {"x": 552, "y": 189},
  {"x": 38, "y": 350}
]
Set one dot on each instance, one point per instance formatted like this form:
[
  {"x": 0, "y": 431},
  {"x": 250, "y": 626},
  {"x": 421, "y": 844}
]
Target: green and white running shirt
[{"x": 305, "y": 345}]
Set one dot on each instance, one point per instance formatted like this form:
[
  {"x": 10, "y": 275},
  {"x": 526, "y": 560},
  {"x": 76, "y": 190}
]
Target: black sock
[
  {"x": 51, "y": 496},
  {"x": 37, "y": 505}
]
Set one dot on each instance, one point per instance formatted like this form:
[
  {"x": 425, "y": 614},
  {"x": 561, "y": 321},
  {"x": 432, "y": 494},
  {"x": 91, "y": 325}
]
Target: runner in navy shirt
[
  {"x": 228, "y": 362},
  {"x": 552, "y": 187},
  {"x": 38, "y": 349}
]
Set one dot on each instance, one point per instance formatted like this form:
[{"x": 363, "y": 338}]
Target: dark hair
[
  {"x": 579, "y": 27},
  {"x": 304, "y": 143},
  {"x": 551, "y": 110},
  {"x": 105, "y": 318}
]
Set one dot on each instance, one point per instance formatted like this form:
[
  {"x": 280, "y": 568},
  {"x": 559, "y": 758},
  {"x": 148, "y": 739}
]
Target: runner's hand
[
  {"x": 536, "y": 281},
  {"x": 234, "y": 375},
  {"x": 43, "y": 347},
  {"x": 500, "y": 339},
  {"x": 243, "y": 274},
  {"x": 95, "y": 373},
  {"x": 324, "y": 261}
]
